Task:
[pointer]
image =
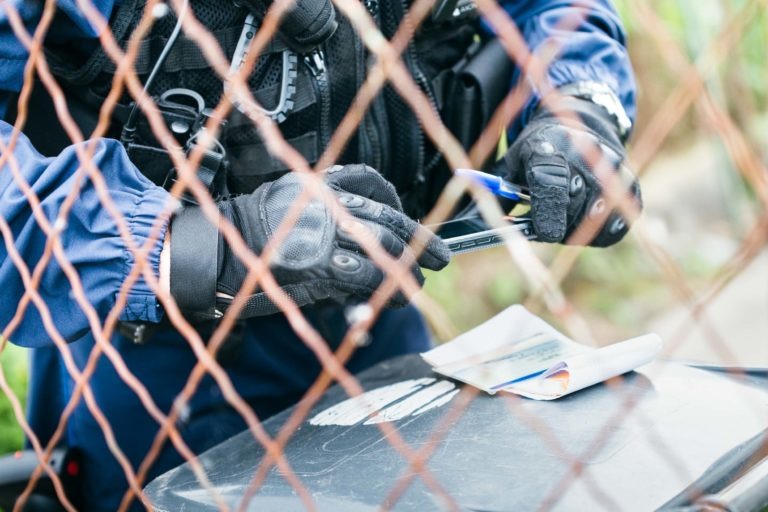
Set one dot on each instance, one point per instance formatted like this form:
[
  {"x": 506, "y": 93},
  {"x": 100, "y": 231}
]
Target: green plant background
[{"x": 14, "y": 365}]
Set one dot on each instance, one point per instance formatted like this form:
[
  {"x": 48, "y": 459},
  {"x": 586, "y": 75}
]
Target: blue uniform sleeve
[
  {"x": 591, "y": 50},
  {"x": 13, "y": 55},
  {"x": 91, "y": 239}
]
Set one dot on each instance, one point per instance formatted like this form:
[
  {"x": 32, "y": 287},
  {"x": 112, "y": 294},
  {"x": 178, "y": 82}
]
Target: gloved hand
[
  {"x": 318, "y": 260},
  {"x": 547, "y": 157}
]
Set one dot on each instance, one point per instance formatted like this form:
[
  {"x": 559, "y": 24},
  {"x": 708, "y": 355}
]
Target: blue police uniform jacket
[{"x": 272, "y": 368}]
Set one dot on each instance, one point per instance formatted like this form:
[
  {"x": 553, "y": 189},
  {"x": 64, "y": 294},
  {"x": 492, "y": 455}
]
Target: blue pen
[
  {"x": 519, "y": 379},
  {"x": 497, "y": 185}
]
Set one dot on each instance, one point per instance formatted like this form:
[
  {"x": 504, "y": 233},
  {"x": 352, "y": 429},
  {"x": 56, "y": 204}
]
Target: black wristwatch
[{"x": 603, "y": 96}]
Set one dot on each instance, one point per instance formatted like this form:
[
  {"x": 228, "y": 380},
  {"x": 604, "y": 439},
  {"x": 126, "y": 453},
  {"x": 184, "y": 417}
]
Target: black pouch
[
  {"x": 469, "y": 94},
  {"x": 476, "y": 90}
]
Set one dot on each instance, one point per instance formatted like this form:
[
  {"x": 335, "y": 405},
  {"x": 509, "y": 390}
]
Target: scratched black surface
[{"x": 493, "y": 458}]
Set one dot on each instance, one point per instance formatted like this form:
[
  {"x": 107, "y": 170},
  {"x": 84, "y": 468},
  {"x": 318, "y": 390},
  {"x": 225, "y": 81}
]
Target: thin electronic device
[
  {"x": 472, "y": 233},
  {"x": 469, "y": 231}
]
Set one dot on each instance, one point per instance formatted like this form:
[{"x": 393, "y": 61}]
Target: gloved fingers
[
  {"x": 355, "y": 273},
  {"x": 363, "y": 288},
  {"x": 435, "y": 255},
  {"x": 562, "y": 164},
  {"x": 260, "y": 304},
  {"x": 349, "y": 232},
  {"x": 351, "y": 276},
  {"x": 391, "y": 243},
  {"x": 399, "y": 299},
  {"x": 616, "y": 226},
  {"x": 548, "y": 177},
  {"x": 614, "y": 229},
  {"x": 361, "y": 180},
  {"x": 417, "y": 273},
  {"x": 595, "y": 164},
  {"x": 359, "y": 276},
  {"x": 345, "y": 275}
]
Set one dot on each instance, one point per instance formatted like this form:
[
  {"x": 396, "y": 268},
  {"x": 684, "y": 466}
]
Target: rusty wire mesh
[{"x": 543, "y": 281}]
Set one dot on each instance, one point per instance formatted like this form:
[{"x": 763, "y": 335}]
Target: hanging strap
[
  {"x": 62, "y": 66},
  {"x": 255, "y": 159}
]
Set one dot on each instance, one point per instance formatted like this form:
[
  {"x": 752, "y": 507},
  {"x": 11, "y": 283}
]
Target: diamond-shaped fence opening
[{"x": 701, "y": 70}]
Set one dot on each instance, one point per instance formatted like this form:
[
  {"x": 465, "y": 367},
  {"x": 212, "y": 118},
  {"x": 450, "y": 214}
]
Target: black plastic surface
[{"x": 503, "y": 454}]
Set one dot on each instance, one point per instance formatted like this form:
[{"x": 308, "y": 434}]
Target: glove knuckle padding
[
  {"x": 349, "y": 234},
  {"x": 309, "y": 239},
  {"x": 361, "y": 180},
  {"x": 382, "y": 215},
  {"x": 318, "y": 258},
  {"x": 355, "y": 273}
]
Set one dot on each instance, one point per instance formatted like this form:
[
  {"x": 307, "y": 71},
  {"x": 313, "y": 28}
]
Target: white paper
[
  {"x": 589, "y": 368},
  {"x": 518, "y": 352},
  {"x": 513, "y": 325},
  {"x": 496, "y": 369}
]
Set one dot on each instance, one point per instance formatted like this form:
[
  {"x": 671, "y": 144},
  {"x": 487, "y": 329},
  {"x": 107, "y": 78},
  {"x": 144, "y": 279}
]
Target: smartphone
[{"x": 472, "y": 233}]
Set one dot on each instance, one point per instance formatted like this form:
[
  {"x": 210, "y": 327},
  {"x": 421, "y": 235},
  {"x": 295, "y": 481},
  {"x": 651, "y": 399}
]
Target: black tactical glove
[
  {"x": 547, "y": 157},
  {"x": 317, "y": 261}
]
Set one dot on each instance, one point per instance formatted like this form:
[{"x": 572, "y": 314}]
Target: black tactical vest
[{"x": 316, "y": 89}]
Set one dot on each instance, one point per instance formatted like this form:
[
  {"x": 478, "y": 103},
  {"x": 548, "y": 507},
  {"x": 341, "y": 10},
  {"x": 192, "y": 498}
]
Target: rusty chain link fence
[{"x": 691, "y": 85}]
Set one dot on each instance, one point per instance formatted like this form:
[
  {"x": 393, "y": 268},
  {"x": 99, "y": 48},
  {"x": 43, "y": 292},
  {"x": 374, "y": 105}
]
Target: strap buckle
[
  {"x": 136, "y": 332},
  {"x": 192, "y": 135}
]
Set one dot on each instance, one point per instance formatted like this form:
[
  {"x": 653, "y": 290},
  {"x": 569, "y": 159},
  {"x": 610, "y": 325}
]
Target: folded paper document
[{"x": 518, "y": 352}]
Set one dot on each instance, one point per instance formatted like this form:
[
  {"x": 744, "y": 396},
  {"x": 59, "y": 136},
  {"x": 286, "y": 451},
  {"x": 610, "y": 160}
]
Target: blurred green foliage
[
  {"x": 14, "y": 365},
  {"x": 616, "y": 289},
  {"x": 619, "y": 289}
]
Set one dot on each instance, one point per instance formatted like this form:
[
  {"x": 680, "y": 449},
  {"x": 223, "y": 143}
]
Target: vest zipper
[
  {"x": 375, "y": 123},
  {"x": 315, "y": 61},
  {"x": 378, "y": 127},
  {"x": 416, "y": 194},
  {"x": 421, "y": 80}
]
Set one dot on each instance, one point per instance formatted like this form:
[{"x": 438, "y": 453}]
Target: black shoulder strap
[
  {"x": 62, "y": 66},
  {"x": 42, "y": 126}
]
